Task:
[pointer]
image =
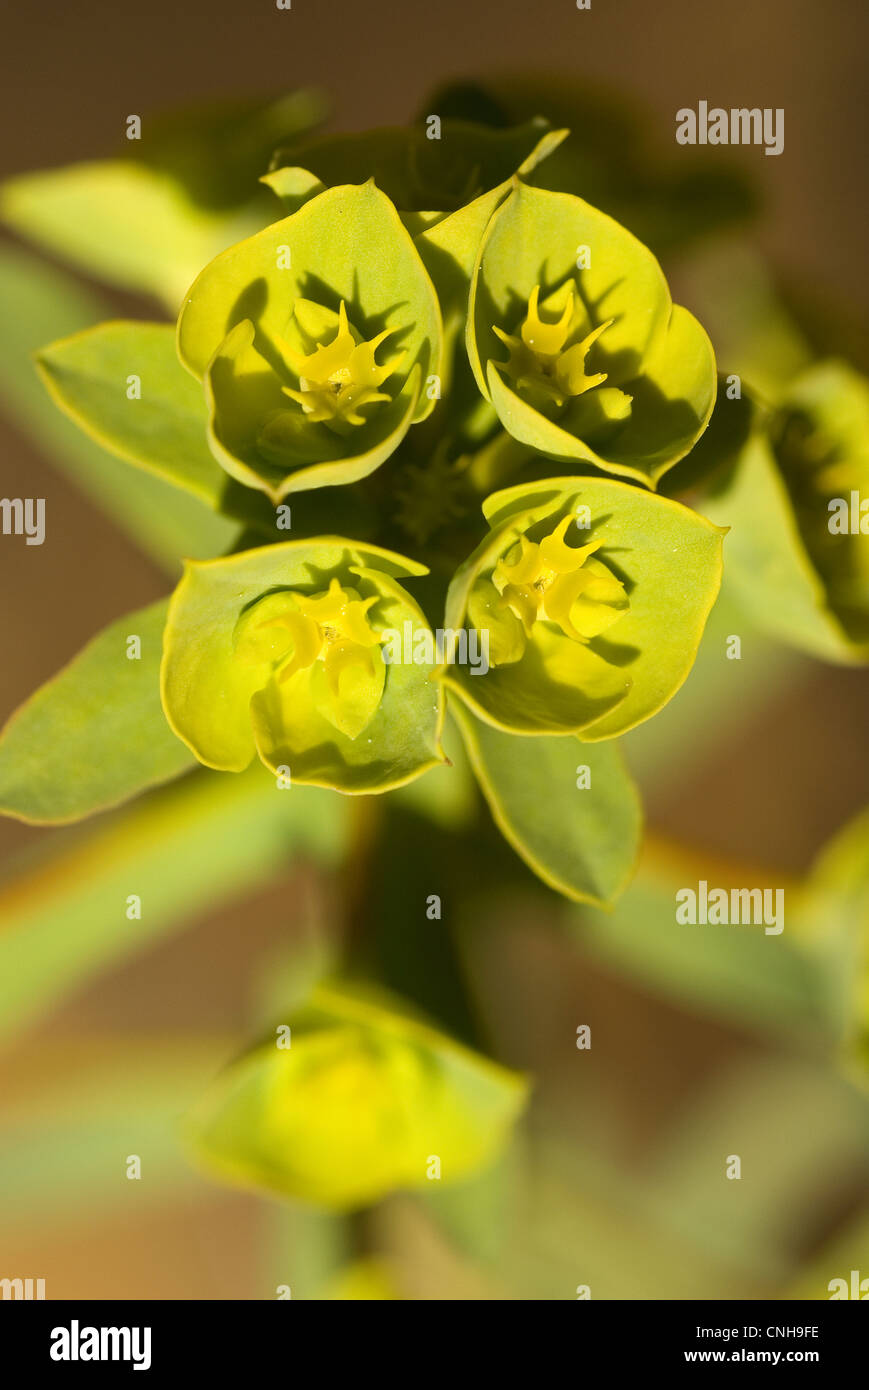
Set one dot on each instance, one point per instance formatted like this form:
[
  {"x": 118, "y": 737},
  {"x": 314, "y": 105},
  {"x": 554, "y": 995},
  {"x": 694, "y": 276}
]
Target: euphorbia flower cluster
[
  {"x": 418, "y": 327},
  {"x": 437, "y": 401}
]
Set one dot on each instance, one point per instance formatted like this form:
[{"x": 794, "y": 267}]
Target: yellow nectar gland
[
  {"x": 553, "y": 582},
  {"x": 539, "y": 359},
  {"x": 328, "y": 635},
  {"x": 339, "y": 378}
]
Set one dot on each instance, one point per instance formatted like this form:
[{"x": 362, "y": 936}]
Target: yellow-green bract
[
  {"x": 594, "y": 594},
  {"x": 318, "y": 341},
  {"x": 352, "y": 1101},
  {"x": 573, "y": 337},
  {"x": 278, "y": 652}
]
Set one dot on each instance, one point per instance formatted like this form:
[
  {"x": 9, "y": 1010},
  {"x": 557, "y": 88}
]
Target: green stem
[{"x": 366, "y": 817}]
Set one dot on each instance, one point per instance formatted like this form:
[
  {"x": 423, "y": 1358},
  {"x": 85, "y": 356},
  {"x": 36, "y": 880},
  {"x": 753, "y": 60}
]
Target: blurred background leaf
[
  {"x": 833, "y": 921},
  {"x": 101, "y": 1105},
  {"x": 668, "y": 202},
  {"x": 123, "y": 223},
  {"x": 732, "y": 971},
  {"x": 182, "y": 850},
  {"x": 362, "y": 1098},
  {"x": 149, "y": 222}
]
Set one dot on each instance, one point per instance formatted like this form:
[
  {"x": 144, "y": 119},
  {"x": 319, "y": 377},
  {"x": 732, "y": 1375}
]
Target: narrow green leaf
[
  {"x": 43, "y": 303},
  {"x": 164, "y": 429},
  {"x": 582, "y": 840},
  {"x": 95, "y": 734}
]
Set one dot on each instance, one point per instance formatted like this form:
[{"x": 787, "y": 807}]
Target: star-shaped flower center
[
  {"x": 545, "y": 582},
  {"x": 543, "y": 360},
  {"x": 339, "y": 378},
  {"x": 555, "y": 582},
  {"x": 329, "y": 636}
]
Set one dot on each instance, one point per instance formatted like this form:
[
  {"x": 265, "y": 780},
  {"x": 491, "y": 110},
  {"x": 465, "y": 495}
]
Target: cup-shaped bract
[
  {"x": 446, "y": 178},
  {"x": 353, "y": 1101},
  {"x": 590, "y": 597},
  {"x": 289, "y": 652},
  {"x": 573, "y": 337},
  {"x": 314, "y": 339}
]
